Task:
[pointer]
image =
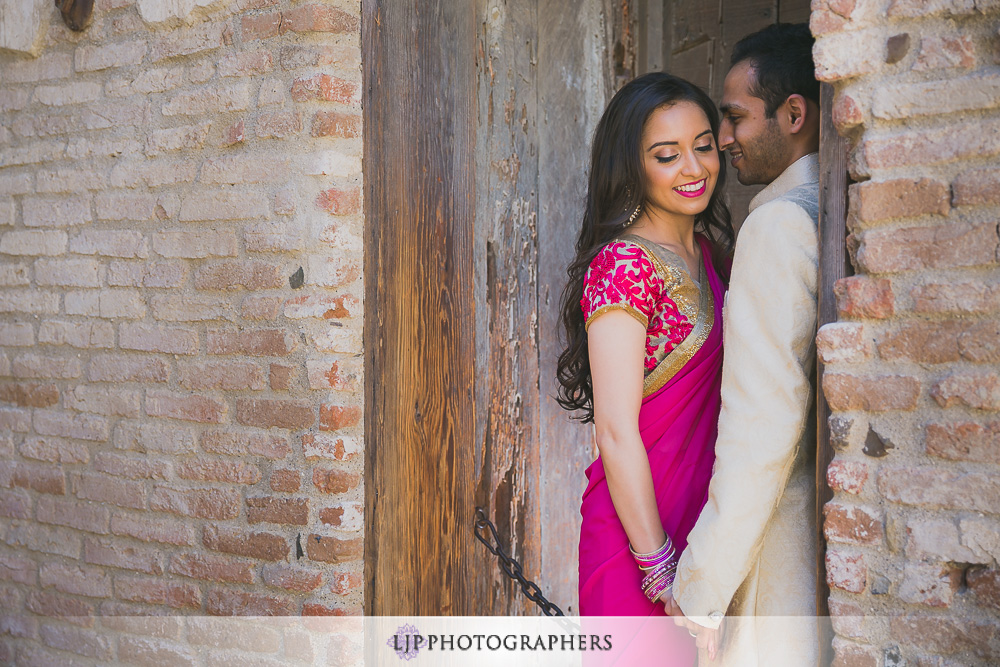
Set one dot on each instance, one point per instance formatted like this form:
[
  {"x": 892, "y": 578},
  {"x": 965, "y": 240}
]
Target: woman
[{"x": 642, "y": 311}]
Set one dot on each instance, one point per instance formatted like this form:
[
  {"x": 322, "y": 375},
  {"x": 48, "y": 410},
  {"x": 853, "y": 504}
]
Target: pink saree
[{"x": 678, "y": 423}]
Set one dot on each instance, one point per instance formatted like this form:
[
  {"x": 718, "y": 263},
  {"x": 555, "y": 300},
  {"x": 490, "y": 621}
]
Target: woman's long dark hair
[{"x": 617, "y": 186}]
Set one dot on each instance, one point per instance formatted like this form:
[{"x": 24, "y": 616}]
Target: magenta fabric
[{"x": 678, "y": 425}]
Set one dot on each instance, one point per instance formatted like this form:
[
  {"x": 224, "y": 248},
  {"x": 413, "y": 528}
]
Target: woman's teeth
[{"x": 692, "y": 187}]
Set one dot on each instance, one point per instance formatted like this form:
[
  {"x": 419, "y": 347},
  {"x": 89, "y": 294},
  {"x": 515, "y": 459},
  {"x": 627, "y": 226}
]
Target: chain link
[{"x": 511, "y": 567}]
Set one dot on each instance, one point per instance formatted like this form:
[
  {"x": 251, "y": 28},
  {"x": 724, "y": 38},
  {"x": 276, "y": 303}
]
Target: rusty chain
[{"x": 511, "y": 567}]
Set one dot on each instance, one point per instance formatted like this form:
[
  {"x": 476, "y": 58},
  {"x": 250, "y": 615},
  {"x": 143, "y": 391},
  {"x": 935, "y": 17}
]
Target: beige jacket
[{"x": 751, "y": 556}]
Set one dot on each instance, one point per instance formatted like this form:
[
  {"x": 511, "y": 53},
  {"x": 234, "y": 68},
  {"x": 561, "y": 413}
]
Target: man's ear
[{"x": 795, "y": 110}]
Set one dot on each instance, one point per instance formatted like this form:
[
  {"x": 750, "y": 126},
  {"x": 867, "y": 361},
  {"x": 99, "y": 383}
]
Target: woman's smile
[{"x": 695, "y": 189}]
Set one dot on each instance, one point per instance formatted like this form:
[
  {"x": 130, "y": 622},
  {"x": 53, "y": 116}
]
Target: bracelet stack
[{"x": 659, "y": 567}]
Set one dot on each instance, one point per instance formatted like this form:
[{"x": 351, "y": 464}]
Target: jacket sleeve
[{"x": 769, "y": 331}]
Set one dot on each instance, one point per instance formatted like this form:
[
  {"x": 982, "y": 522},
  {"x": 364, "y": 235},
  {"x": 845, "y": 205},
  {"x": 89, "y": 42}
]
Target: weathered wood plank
[
  {"x": 793, "y": 11},
  {"x": 420, "y": 192},
  {"x": 833, "y": 265},
  {"x": 574, "y": 85},
  {"x": 506, "y": 294}
]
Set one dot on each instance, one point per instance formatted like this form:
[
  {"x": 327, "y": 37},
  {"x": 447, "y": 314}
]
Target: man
[{"x": 751, "y": 557}]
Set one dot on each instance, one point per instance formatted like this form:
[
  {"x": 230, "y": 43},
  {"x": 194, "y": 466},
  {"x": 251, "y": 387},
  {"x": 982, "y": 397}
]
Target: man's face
[{"x": 759, "y": 148}]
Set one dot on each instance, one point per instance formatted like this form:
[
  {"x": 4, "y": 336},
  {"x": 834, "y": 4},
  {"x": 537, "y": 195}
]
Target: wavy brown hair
[{"x": 617, "y": 186}]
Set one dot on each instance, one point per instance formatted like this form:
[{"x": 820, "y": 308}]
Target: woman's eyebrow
[{"x": 674, "y": 143}]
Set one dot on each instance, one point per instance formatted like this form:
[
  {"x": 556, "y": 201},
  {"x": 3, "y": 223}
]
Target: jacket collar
[{"x": 802, "y": 171}]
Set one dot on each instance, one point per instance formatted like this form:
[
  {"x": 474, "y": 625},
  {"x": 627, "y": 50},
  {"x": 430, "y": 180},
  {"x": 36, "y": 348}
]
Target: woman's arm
[{"x": 617, "y": 348}]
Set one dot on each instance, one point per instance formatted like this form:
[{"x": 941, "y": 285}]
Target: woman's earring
[{"x": 635, "y": 214}]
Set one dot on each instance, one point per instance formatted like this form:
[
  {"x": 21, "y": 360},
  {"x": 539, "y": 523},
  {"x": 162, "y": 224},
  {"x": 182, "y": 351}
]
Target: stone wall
[
  {"x": 180, "y": 314},
  {"x": 911, "y": 367}
]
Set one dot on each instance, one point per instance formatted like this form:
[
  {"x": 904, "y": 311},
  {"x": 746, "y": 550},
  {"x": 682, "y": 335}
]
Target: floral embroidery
[{"x": 622, "y": 276}]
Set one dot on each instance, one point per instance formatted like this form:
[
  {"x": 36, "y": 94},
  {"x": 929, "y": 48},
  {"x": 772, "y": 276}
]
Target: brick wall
[
  {"x": 180, "y": 314},
  {"x": 911, "y": 367}
]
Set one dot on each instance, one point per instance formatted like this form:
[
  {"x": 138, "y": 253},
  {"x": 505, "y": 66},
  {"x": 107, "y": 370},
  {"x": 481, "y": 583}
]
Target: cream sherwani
[{"x": 751, "y": 557}]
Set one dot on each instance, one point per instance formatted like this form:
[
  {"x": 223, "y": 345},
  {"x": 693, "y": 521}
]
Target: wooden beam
[
  {"x": 833, "y": 265},
  {"x": 420, "y": 197}
]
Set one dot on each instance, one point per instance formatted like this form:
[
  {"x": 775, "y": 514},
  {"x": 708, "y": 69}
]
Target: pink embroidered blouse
[{"x": 648, "y": 282}]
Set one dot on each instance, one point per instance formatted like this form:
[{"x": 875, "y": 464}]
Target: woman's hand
[{"x": 705, "y": 638}]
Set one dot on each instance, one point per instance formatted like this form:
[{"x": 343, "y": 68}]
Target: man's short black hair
[{"x": 781, "y": 57}]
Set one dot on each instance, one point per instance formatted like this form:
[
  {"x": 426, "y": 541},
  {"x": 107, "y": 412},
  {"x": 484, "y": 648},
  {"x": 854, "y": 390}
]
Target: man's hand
[{"x": 705, "y": 638}]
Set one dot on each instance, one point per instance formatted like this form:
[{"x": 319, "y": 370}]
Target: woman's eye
[
  {"x": 665, "y": 159},
  {"x": 706, "y": 148}
]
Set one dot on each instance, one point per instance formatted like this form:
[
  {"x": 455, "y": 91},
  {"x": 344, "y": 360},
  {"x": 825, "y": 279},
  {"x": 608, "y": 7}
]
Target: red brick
[
  {"x": 152, "y": 338},
  {"x": 251, "y": 63},
  {"x": 131, "y": 467},
  {"x": 921, "y": 8},
  {"x": 844, "y": 342},
  {"x": 153, "y": 436},
  {"x": 267, "y": 413},
  {"x": 281, "y": 377},
  {"x": 944, "y": 635},
  {"x": 875, "y": 394},
  {"x": 190, "y": 308},
  {"x": 340, "y": 201},
  {"x": 262, "y": 26},
  {"x": 262, "y": 546},
  {"x": 17, "y": 420},
  {"x": 216, "y": 470},
  {"x": 153, "y": 529},
  {"x": 40, "y": 477},
  {"x": 158, "y": 592},
  {"x": 862, "y": 297},
  {"x": 847, "y": 112},
  {"x": 943, "y": 342},
  {"x": 15, "y": 505},
  {"x": 88, "y": 517},
  {"x": 336, "y": 124},
  {"x": 977, "y": 187},
  {"x": 285, "y": 481},
  {"x": 325, "y": 87},
  {"x": 336, "y": 417},
  {"x": 965, "y": 441},
  {"x": 197, "y": 503},
  {"x": 112, "y": 553},
  {"x": 253, "y": 342},
  {"x": 59, "y": 606},
  {"x": 225, "y": 375},
  {"x": 316, "y": 609},
  {"x": 846, "y": 571},
  {"x": 942, "y": 52},
  {"x": 849, "y": 654},
  {"x": 154, "y": 653},
  {"x": 953, "y": 245},
  {"x": 294, "y": 511},
  {"x": 212, "y": 568},
  {"x": 17, "y": 570},
  {"x": 333, "y": 550},
  {"x": 847, "y": 476},
  {"x": 939, "y": 487},
  {"x": 227, "y": 602},
  {"x": 107, "y": 489},
  {"x": 119, "y": 368},
  {"x": 925, "y": 147},
  {"x": 245, "y": 444},
  {"x": 75, "y": 580},
  {"x": 323, "y": 307},
  {"x": 102, "y": 400},
  {"x": 323, "y": 445},
  {"x": 980, "y": 391},
  {"x": 230, "y": 633},
  {"x": 331, "y": 516},
  {"x": 318, "y": 18},
  {"x": 279, "y": 124},
  {"x": 878, "y": 201},
  {"x": 76, "y": 640},
  {"x": 292, "y": 578},
  {"x": 970, "y": 297},
  {"x": 261, "y": 307},
  {"x": 235, "y": 134},
  {"x": 46, "y": 366},
  {"x": 193, "y": 408},
  {"x": 984, "y": 584},
  {"x": 195, "y": 244},
  {"x": 334, "y": 481},
  {"x": 85, "y": 335},
  {"x": 128, "y": 618},
  {"x": 345, "y": 583},
  {"x": 30, "y": 395},
  {"x": 930, "y": 584},
  {"x": 230, "y": 274},
  {"x": 852, "y": 524}
]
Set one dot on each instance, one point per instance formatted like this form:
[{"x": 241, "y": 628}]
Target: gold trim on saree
[
  {"x": 679, "y": 287},
  {"x": 631, "y": 310}
]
